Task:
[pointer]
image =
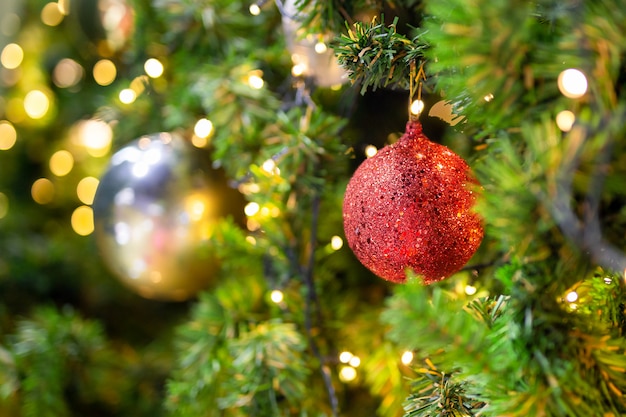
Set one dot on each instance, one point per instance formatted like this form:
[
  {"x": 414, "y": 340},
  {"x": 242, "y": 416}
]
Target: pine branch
[{"x": 378, "y": 56}]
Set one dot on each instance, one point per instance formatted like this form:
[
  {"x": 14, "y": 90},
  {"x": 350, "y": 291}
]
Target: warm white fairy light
[
  {"x": 254, "y": 9},
  {"x": 347, "y": 374},
  {"x": 270, "y": 167},
  {"x": 354, "y": 361},
  {"x": 572, "y": 83},
  {"x": 320, "y": 47},
  {"x": 298, "y": 70},
  {"x": 336, "y": 242},
  {"x": 407, "y": 357},
  {"x": 417, "y": 107},
  {"x": 8, "y": 135},
  {"x": 370, "y": 150},
  {"x": 488, "y": 97},
  {"x": 572, "y": 296},
  {"x": 36, "y": 104},
  {"x": 470, "y": 290},
  {"x": 608, "y": 280},
  {"x": 11, "y": 56},
  {"x": 255, "y": 80},
  {"x": 104, "y": 72},
  {"x": 277, "y": 296},
  {"x": 345, "y": 356},
  {"x": 565, "y": 120},
  {"x": 153, "y": 67},
  {"x": 127, "y": 96},
  {"x": 203, "y": 128},
  {"x": 251, "y": 208}
]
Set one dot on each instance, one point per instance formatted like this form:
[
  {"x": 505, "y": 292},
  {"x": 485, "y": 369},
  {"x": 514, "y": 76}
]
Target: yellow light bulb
[
  {"x": 153, "y": 67},
  {"x": 572, "y": 83}
]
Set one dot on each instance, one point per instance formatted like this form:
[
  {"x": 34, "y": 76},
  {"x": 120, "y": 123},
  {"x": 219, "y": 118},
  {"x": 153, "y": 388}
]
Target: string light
[
  {"x": 203, "y": 128},
  {"x": 127, "y": 96},
  {"x": 488, "y": 97},
  {"x": 370, "y": 150},
  {"x": 82, "y": 220},
  {"x": 270, "y": 167},
  {"x": 42, "y": 191},
  {"x": 61, "y": 163},
  {"x": 298, "y": 69},
  {"x": 345, "y": 356},
  {"x": 565, "y": 120},
  {"x": 320, "y": 47},
  {"x": 254, "y": 9},
  {"x": 153, "y": 67},
  {"x": 104, "y": 72},
  {"x": 4, "y": 205},
  {"x": 51, "y": 14},
  {"x": 36, "y": 104},
  {"x": 470, "y": 290},
  {"x": 86, "y": 189},
  {"x": 336, "y": 242},
  {"x": 354, "y": 361},
  {"x": 8, "y": 135},
  {"x": 417, "y": 107},
  {"x": 347, "y": 374},
  {"x": 255, "y": 80},
  {"x": 96, "y": 136},
  {"x": 571, "y": 297},
  {"x": 572, "y": 83},
  {"x": 407, "y": 357},
  {"x": 277, "y": 296},
  {"x": 251, "y": 240},
  {"x": 251, "y": 209},
  {"x": 11, "y": 56},
  {"x": 67, "y": 73}
]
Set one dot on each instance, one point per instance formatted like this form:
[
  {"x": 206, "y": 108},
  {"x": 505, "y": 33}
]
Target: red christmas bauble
[{"x": 410, "y": 206}]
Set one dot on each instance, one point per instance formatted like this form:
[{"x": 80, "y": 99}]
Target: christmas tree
[{"x": 175, "y": 241}]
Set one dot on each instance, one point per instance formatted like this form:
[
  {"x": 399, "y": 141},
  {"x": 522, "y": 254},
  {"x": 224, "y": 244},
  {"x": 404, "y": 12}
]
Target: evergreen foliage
[{"x": 74, "y": 342}]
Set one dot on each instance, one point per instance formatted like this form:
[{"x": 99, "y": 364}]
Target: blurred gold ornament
[{"x": 155, "y": 210}]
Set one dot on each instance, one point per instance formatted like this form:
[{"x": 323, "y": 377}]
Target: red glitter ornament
[{"x": 410, "y": 206}]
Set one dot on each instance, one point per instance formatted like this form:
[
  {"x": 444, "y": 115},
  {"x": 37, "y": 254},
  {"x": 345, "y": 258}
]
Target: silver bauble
[{"x": 154, "y": 211}]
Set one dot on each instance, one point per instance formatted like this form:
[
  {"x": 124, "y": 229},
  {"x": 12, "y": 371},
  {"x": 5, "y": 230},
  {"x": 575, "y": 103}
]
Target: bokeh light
[
  {"x": 370, "y": 150},
  {"x": 572, "y": 83},
  {"x": 336, "y": 242},
  {"x": 254, "y": 9},
  {"x": 407, "y": 357},
  {"x": 42, "y": 191},
  {"x": 51, "y": 14},
  {"x": 153, "y": 67},
  {"x": 11, "y": 56},
  {"x": 203, "y": 128},
  {"x": 417, "y": 107},
  {"x": 86, "y": 189},
  {"x": 82, "y": 220},
  {"x": 127, "y": 96},
  {"x": 36, "y": 104},
  {"x": 61, "y": 163},
  {"x": 255, "y": 80},
  {"x": 67, "y": 73},
  {"x": 565, "y": 120},
  {"x": 104, "y": 72},
  {"x": 347, "y": 374},
  {"x": 96, "y": 136},
  {"x": 277, "y": 296},
  {"x": 8, "y": 135}
]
